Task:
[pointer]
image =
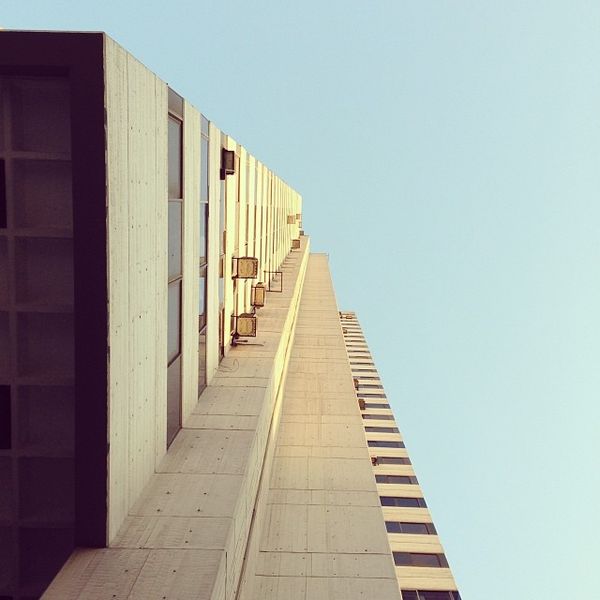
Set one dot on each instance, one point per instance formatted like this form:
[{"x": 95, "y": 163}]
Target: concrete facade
[{"x": 148, "y": 447}]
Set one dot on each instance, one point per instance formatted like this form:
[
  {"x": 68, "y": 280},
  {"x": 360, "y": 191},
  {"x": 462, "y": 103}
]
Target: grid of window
[
  {"x": 402, "y": 502},
  {"x": 419, "y": 559},
  {"x": 398, "y": 479},
  {"x": 412, "y": 528}
]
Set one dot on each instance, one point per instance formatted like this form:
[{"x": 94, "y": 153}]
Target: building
[{"x": 178, "y": 415}]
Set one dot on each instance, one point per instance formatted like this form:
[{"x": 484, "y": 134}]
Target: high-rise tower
[{"x": 421, "y": 566}]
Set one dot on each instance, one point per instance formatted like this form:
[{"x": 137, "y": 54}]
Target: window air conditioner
[
  {"x": 245, "y": 325},
  {"x": 227, "y": 162},
  {"x": 291, "y": 219},
  {"x": 361, "y": 404},
  {"x": 259, "y": 295},
  {"x": 296, "y": 244},
  {"x": 246, "y": 267}
]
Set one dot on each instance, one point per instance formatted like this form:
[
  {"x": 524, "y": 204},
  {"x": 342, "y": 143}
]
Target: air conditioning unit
[
  {"x": 361, "y": 404},
  {"x": 298, "y": 216},
  {"x": 227, "y": 162},
  {"x": 296, "y": 244},
  {"x": 259, "y": 295},
  {"x": 302, "y": 232},
  {"x": 245, "y": 325},
  {"x": 291, "y": 219},
  {"x": 245, "y": 267},
  {"x": 374, "y": 461},
  {"x": 356, "y": 384}
]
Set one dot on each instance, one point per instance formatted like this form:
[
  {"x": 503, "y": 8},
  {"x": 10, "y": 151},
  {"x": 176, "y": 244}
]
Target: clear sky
[{"x": 449, "y": 158}]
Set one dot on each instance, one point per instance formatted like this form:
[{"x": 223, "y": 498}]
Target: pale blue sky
[{"x": 449, "y": 158}]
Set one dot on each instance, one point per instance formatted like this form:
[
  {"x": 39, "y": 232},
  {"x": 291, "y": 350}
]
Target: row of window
[
  {"x": 405, "y": 527},
  {"x": 402, "y": 502},
  {"x": 419, "y": 559},
  {"x": 429, "y": 595},
  {"x": 403, "y": 479}
]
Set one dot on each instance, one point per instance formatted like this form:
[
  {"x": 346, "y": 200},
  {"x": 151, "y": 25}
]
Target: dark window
[
  {"x": 175, "y": 162},
  {"x": 398, "y": 479},
  {"x": 5, "y": 417},
  {"x": 419, "y": 559},
  {"x": 370, "y": 385},
  {"x": 202, "y": 300},
  {"x": 402, "y": 502},
  {"x": 175, "y": 213},
  {"x": 382, "y": 429},
  {"x": 204, "y": 175},
  {"x": 2, "y": 196},
  {"x": 174, "y": 321},
  {"x": 375, "y": 404},
  {"x": 405, "y": 527},
  {"x": 378, "y": 417},
  {"x": 385, "y": 444},
  {"x": 393, "y": 460},
  {"x": 367, "y": 395}
]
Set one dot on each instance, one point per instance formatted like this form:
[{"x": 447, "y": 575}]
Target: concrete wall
[{"x": 136, "y": 129}]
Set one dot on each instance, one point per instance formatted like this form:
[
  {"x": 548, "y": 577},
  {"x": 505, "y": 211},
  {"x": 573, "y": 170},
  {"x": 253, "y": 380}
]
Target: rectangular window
[
  {"x": 204, "y": 174},
  {"x": 375, "y": 404},
  {"x": 3, "y": 223},
  {"x": 402, "y": 502},
  {"x": 174, "y": 321},
  {"x": 419, "y": 559},
  {"x": 385, "y": 444},
  {"x": 5, "y": 417},
  {"x": 398, "y": 479},
  {"x": 410, "y": 528},
  {"x": 370, "y": 385},
  {"x": 175, "y": 162},
  {"x": 366, "y": 395},
  {"x": 393, "y": 460},
  {"x": 382, "y": 429},
  {"x": 378, "y": 417},
  {"x": 429, "y": 595},
  {"x": 175, "y": 239}
]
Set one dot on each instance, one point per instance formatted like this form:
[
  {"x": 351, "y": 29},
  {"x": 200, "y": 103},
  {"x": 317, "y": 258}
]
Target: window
[
  {"x": 382, "y": 429},
  {"x": 367, "y": 394},
  {"x": 378, "y": 417},
  {"x": 398, "y": 479},
  {"x": 385, "y": 444},
  {"x": 5, "y": 417},
  {"x": 402, "y": 502},
  {"x": 175, "y": 274},
  {"x": 375, "y": 404},
  {"x": 370, "y": 385},
  {"x": 429, "y": 595},
  {"x": 405, "y": 527},
  {"x": 393, "y": 460},
  {"x": 419, "y": 559}
]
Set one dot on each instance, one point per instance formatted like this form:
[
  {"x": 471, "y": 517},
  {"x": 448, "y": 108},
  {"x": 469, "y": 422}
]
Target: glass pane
[
  {"x": 173, "y": 399},
  {"x": 41, "y": 115},
  {"x": 174, "y": 321},
  {"x": 393, "y": 527},
  {"x": 202, "y": 299},
  {"x": 387, "y": 501},
  {"x": 204, "y": 170},
  {"x": 402, "y": 559},
  {"x": 420, "y": 528},
  {"x": 174, "y": 239},
  {"x": 425, "y": 560},
  {"x": 175, "y": 166},
  {"x": 203, "y": 233}
]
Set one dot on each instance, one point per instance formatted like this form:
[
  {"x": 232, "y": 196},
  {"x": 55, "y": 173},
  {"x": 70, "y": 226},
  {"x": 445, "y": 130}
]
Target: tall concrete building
[{"x": 180, "y": 415}]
